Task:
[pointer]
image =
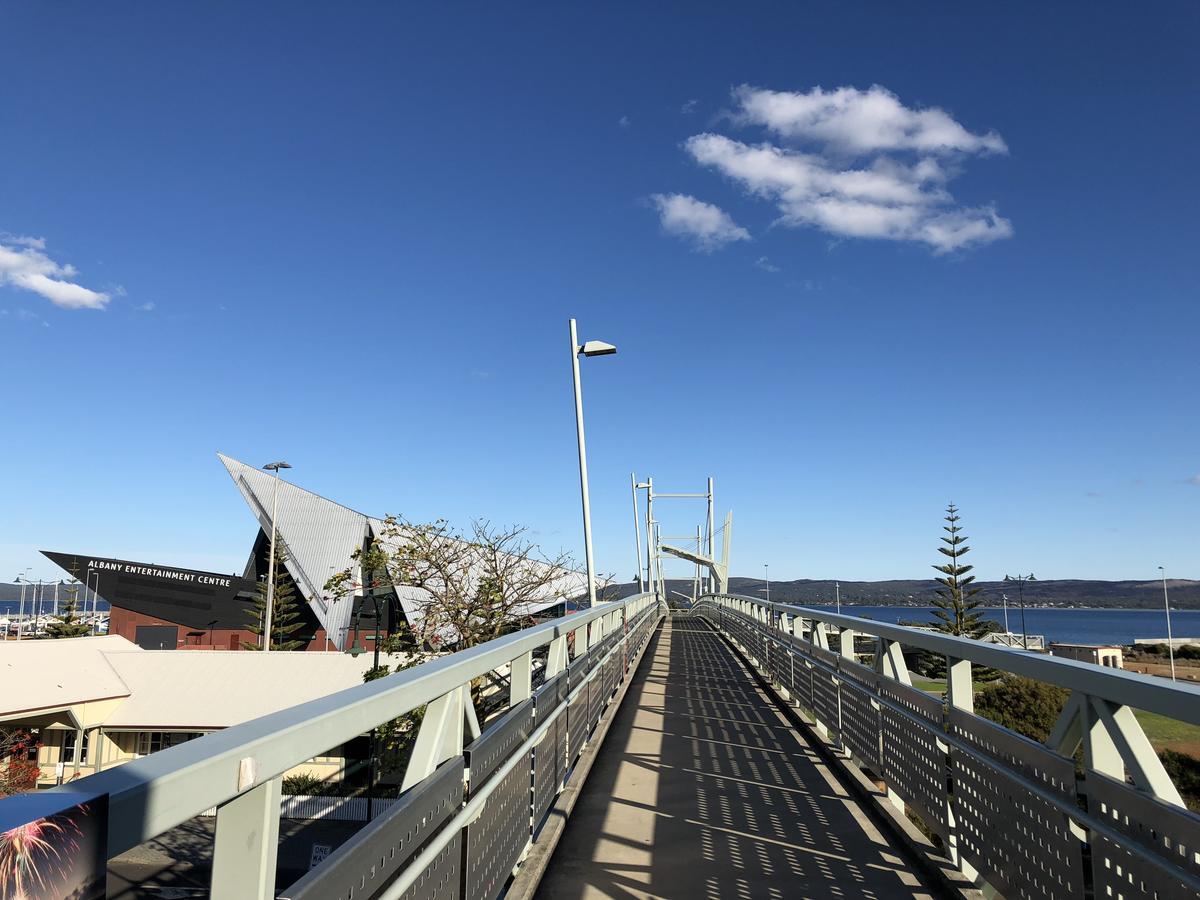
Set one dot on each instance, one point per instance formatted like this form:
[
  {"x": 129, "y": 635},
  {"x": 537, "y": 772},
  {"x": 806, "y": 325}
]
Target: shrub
[
  {"x": 1026, "y": 706},
  {"x": 1185, "y": 772},
  {"x": 303, "y": 784}
]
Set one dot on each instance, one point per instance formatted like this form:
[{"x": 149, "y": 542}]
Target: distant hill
[{"x": 1185, "y": 594}]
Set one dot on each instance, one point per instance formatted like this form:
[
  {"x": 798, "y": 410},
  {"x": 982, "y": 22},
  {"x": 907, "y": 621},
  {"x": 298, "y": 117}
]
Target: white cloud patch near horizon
[
  {"x": 708, "y": 227},
  {"x": 856, "y": 163},
  {"x": 25, "y": 265}
]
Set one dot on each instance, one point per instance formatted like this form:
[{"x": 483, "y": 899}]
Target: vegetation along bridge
[{"x": 729, "y": 749}]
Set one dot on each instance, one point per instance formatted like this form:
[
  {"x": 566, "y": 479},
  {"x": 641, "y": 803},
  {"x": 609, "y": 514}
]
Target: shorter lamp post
[
  {"x": 1020, "y": 580},
  {"x": 767, "y": 579},
  {"x": 1167, "y": 607},
  {"x": 272, "y": 467}
]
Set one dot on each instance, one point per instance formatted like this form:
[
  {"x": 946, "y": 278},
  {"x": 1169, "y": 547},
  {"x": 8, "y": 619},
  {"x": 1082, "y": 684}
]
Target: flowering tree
[{"x": 18, "y": 773}]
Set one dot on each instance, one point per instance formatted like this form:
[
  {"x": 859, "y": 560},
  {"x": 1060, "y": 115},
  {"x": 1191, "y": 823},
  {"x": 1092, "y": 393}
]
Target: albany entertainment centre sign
[{"x": 148, "y": 571}]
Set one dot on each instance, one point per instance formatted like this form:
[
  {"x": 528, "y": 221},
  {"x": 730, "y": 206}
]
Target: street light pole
[
  {"x": 767, "y": 579},
  {"x": 1167, "y": 607},
  {"x": 1020, "y": 580},
  {"x": 24, "y": 580},
  {"x": 591, "y": 348},
  {"x": 272, "y": 467},
  {"x": 637, "y": 533}
]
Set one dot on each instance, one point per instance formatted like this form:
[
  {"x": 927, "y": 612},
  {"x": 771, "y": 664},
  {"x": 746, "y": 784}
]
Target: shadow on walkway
[{"x": 703, "y": 791}]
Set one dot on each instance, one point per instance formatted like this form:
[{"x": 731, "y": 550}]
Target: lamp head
[
  {"x": 597, "y": 348},
  {"x": 276, "y": 466}
]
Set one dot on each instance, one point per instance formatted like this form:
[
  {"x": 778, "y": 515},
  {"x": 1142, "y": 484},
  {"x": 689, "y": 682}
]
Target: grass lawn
[
  {"x": 933, "y": 685},
  {"x": 1164, "y": 732}
]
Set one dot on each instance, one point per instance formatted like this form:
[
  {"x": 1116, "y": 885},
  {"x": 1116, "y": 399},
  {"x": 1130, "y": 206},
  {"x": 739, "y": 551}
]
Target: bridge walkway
[{"x": 705, "y": 792}]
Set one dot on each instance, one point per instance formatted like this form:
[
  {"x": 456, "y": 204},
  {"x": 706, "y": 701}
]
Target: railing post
[
  {"x": 247, "y": 842},
  {"x": 520, "y": 679},
  {"x": 846, "y": 644},
  {"x": 556, "y": 656},
  {"x": 960, "y": 694}
]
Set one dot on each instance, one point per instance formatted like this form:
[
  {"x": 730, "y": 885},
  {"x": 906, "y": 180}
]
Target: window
[
  {"x": 68, "y": 748},
  {"x": 152, "y": 741}
]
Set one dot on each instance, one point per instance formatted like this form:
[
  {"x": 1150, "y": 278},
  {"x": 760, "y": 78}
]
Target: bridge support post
[
  {"x": 247, "y": 843},
  {"x": 1113, "y": 744},
  {"x": 440, "y": 736}
]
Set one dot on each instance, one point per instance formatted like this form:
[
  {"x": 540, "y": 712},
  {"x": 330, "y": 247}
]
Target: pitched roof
[
  {"x": 202, "y": 690},
  {"x": 48, "y": 674}
]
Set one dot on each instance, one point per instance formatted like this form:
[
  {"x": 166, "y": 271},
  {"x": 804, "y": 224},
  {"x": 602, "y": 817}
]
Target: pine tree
[
  {"x": 956, "y": 605},
  {"x": 285, "y": 617},
  {"x": 69, "y": 624}
]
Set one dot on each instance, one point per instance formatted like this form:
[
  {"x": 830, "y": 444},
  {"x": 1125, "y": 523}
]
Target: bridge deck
[{"x": 704, "y": 792}]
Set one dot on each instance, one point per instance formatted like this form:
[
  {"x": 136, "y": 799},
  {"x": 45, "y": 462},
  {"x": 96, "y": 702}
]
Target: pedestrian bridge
[{"x": 730, "y": 749}]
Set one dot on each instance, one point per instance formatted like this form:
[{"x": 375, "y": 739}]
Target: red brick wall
[{"x": 125, "y": 622}]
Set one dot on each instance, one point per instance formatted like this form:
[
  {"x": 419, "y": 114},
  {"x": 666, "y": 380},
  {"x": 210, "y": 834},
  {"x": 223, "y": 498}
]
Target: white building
[{"x": 96, "y": 702}]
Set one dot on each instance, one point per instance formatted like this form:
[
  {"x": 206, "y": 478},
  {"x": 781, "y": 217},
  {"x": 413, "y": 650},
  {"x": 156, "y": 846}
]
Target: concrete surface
[{"x": 704, "y": 792}]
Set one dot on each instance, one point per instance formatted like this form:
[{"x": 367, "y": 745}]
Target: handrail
[
  {"x": 151, "y": 795},
  {"x": 1172, "y": 699}
]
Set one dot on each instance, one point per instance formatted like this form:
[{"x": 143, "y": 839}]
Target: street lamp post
[
  {"x": 272, "y": 467},
  {"x": 95, "y": 601},
  {"x": 1167, "y": 607},
  {"x": 21, "y": 615},
  {"x": 591, "y": 348},
  {"x": 767, "y": 579},
  {"x": 1020, "y": 580}
]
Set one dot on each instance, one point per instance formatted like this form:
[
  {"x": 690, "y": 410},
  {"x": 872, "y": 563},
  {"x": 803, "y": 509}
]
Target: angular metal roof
[{"x": 318, "y": 536}]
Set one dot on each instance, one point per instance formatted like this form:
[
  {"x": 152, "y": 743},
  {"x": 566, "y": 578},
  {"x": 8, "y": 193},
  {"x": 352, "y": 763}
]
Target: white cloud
[
  {"x": 624, "y": 121},
  {"x": 24, "y": 264},
  {"x": 766, "y": 265},
  {"x": 148, "y": 306},
  {"x": 689, "y": 107},
  {"x": 859, "y": 122},
  {"x": 839, "y": 180},
  {"x": 708, "y": 227}
]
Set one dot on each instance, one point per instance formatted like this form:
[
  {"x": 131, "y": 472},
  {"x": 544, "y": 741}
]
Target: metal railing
[
  {"x": 1009, "y": 811},
  {"x": 472, "y": 800}
]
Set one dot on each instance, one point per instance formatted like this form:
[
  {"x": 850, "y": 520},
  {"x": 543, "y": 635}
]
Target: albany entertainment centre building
[{"x": 164, "y": 607}]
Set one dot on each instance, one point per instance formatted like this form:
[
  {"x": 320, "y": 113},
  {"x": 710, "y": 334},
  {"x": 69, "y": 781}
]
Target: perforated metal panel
[
  {"x": 914, "y": 765},
  {"x": 1170, "y": 835},
  {"x": 825, "y": 698},
  {"x": 802, "y": 681},
  {"x": 374, "y": 856},
  {"x": 490, "y": 750},
  {"x": 550, "y": 753},
  {"x": 860, "y": 724},
  {"x": 577, "y": 724},
  {"x": 548, "y": 762},
  {"x": 495, "y": 841}
]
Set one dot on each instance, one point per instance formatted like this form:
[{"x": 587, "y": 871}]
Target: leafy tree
[
  {"x": 473, "y": 586},
  {"x": 957, "y": 602},
  {"x": 286, "y": 619},
  {"x": 1022, "y": 704},
  {"x": 69, "y": 624}
]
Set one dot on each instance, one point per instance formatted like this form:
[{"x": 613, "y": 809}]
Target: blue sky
[{"x": 351, "y": 236}]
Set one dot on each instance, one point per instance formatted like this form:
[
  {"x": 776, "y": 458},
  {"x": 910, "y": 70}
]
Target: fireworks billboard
[{"x": 53, "y": 845}]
